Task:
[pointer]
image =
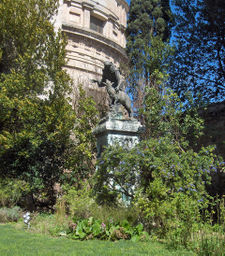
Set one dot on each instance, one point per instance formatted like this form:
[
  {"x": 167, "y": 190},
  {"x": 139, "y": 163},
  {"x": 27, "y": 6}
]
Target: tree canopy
[
  {"x": 149, "y": 26},
  {"x": 35, "y": 115},
  {"x": 199, "y": 63}
]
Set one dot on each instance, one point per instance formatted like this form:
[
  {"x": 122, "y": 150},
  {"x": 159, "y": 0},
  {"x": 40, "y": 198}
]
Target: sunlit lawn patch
[{"x": 17, "y": 242}]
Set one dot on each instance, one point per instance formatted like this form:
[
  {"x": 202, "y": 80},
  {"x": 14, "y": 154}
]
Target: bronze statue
[{"x": 115, "y": 86}]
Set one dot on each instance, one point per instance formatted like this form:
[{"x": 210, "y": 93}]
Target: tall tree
[
  {"x": 148, "y": 29},
  {"x": 199, "y": 63},
  {"x": 35, "y": 116}
]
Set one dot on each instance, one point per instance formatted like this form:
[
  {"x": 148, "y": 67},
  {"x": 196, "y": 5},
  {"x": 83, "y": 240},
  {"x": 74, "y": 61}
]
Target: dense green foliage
[
  {"x": 198, "y": 64},
  {"x": 168, "y": 166},
  {"x": 160, "y": 185},
  {"x": 35, "y": 116},
  {"x": 12, "y": 191},
  {"x": 91, "y": 228},
  {"x": 9, "y": 214},
  {"x": 162, "y": 176},
  {"x": 40, "y": 134},
  {"x": 82, "y": 149},
  {"x": 165, "y": 177},
  {"x": 148, "y": 30}
]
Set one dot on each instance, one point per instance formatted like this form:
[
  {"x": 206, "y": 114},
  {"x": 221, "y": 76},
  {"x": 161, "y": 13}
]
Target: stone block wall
[{"x": 96, "y": 33}]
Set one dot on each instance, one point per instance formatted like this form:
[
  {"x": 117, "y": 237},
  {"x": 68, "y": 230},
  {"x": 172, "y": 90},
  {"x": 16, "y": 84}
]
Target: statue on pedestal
[
  {"x": 115, "y": 86},
  {"x": 115, "y": 129}
]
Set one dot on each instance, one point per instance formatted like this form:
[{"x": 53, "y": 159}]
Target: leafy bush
[
  {"x": 35, "y": 116},
  {"x": 10, "y": 214},
  {"x": 11, "y": 191},
  {"x": 86, "y": 229},
  {"x": 166, "y": 175},
  {"x": 167, "y": 185},
  {"x": 211, "y": 245},
  {"x": 49, "y": 224},
  {"x": 95, "y": 229},
  {"x": 82, "y": 151},
  {"x": 80, "y": 203},
  {"x": 151, "y": 162}
]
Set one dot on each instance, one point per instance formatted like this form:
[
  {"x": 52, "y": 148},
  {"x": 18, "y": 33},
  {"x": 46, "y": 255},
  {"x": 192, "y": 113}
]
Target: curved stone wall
[{"x": 95, "y": 31}]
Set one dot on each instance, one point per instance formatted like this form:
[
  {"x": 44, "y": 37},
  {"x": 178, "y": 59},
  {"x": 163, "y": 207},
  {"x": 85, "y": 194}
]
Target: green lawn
[{"x": 15, "y": 242}]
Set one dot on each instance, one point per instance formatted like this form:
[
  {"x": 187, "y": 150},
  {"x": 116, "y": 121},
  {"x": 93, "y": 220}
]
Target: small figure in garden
[
  {"x": 115, "y": 86},
  {"x": 26, "y": 219}
]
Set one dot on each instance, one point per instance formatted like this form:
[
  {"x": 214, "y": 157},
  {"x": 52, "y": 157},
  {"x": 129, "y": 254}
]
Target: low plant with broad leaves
[{"x": 91, "y": 228}]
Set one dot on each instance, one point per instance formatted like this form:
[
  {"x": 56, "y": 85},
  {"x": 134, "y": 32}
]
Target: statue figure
[
  {"x": 119, "y": 97},
  {"x": 115, "y": 86}
]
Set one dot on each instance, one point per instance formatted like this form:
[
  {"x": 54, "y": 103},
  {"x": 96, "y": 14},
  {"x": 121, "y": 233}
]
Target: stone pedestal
[{"x": 117, "y": 130}]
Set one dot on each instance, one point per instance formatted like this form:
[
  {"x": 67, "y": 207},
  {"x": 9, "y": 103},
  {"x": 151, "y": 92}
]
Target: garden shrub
[
  {"x": 82, "y": 151},
  {"x": 166, "y": 175},
  {"x": 48, "y": 224},
  {"x": 164, "y": 182},
  {"x": 10, "y": 214},
  {"x": 80, "y": 204},
  {"x": 11, "y": 191},
  {"x": 91, "y": 228},
  {"x": 87, "y": 229},
  {"x": 78, "y": 201}
]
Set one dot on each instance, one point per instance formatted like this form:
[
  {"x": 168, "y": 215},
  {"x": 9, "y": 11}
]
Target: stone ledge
[
  {"x": 121, "y": 126},
  {"x": 71, "y": 29}
]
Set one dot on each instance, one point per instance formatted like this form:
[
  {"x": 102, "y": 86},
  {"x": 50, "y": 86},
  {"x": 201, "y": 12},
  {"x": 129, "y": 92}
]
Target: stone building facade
[{"x": 95, "y": 31}]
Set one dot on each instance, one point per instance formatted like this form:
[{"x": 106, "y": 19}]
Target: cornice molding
[
  {"x": 88, "y": 6},
  {"x": 89, "y": 34}
]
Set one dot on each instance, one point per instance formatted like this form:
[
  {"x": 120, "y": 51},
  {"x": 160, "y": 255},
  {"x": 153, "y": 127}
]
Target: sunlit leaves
[{"x": 35, "y": 117}]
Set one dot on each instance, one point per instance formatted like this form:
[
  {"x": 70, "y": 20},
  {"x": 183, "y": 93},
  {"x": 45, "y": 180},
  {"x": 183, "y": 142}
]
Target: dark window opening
[{"x": 96, "y": 24}]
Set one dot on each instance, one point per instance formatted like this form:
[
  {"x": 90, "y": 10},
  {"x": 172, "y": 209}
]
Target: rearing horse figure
[
  {"x": 111, "y": 79},
  {"x": 119, "y": 97}
]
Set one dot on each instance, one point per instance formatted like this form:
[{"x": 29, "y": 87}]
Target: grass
[{"x": 15, "y": 242}]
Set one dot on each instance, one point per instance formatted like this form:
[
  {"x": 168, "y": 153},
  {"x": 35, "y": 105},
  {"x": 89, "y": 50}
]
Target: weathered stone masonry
[{"x": 96, "y": 33}]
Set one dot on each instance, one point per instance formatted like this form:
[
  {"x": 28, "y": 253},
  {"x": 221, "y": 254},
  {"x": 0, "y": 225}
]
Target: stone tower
[{"x": 96, "y": 33}]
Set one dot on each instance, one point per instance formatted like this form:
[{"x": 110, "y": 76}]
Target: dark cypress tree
[
  {"x": 199, "y": 62},
  {"x": 149, "y": 26}
]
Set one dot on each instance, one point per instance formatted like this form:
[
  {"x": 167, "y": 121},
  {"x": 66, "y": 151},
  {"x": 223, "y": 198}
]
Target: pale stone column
[
  {"x": 122, "y": 36},
  {"x": 106, "y": 29},
  {"x": 86, "y": 15},
  {"x": 110, "y": 28}
]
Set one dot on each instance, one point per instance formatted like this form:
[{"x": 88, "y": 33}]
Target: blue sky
[{"x": 128, "y": 1}]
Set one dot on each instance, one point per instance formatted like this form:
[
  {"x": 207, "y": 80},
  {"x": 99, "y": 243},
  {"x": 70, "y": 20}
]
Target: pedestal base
[{"x": 112, "y": 131}]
